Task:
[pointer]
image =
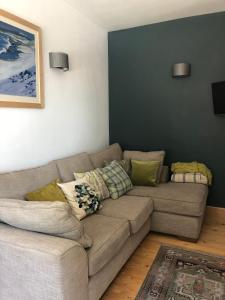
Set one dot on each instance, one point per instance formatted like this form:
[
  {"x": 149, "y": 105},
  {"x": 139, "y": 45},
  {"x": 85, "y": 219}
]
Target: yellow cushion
[{"x": 50, "y": 192}]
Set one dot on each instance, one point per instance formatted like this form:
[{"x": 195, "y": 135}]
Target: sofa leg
[{"x": 186, "y": 239}]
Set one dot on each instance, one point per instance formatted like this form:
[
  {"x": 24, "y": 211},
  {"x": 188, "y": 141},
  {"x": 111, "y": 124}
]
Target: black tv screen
[{"x": 218, "y": 92}]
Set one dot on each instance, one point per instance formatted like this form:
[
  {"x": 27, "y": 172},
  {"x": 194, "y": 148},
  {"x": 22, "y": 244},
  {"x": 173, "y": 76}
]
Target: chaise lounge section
[{"x": 178, "y": 207}]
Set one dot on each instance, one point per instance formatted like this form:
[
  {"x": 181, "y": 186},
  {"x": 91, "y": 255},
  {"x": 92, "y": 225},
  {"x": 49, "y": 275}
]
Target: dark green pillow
[
  {"x": 144, "y": 172},
  {"x": 50, "y": 192}
]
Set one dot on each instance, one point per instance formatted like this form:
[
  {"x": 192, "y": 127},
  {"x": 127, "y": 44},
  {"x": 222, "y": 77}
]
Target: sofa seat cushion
[
  {"x": 135, "y": 209},
  {"x": 179, "y": 198},
  {"x": 108, "y": 236}
]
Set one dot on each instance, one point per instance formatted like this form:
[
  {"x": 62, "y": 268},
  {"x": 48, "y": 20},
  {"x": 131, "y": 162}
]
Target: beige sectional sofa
[{"x": 42, "y": 267}]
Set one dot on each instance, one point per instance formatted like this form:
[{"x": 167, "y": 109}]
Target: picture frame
[{"x": 21, "y": 71}]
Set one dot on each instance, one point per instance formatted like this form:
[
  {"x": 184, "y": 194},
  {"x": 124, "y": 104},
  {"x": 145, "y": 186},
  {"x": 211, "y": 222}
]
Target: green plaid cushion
[{"x": 116, "y": 179}]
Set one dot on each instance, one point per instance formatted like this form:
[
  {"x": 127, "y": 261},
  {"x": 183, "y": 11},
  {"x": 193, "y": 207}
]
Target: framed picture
[{"x": 21, "y": 80}]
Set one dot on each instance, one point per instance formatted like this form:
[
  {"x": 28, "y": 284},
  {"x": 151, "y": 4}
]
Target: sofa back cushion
[
  {"x": 18, "y": 184},
  {"x": 151, "y": 155},
  {"x": 76, "y": 163},
  {"x": 141, "y": 155},
  {"x": 113, "y": 152}
]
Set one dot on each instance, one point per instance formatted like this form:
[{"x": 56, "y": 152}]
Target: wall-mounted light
[
  {"x": 59, "y": 60},
  {"x": 181, "y": 70}
]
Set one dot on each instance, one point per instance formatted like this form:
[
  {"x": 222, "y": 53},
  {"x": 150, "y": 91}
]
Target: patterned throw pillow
[
  {"x": 189, "y": 178},
  {"x": 116, "y": 179},
  {"x": 87, "y": 198},
  {"x": 82, "y": 197},
  {"x": 95, "y": 180},
  {"x": 125, "y": 164}
]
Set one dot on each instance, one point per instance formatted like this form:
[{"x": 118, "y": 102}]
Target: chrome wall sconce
[
  {"x": 181, "y": 70},
  {"x": 59, "y": 60}
]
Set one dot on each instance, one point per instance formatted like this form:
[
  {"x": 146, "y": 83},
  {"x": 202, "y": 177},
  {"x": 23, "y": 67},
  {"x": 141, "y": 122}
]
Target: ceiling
[{"x": 121, "y": 14}]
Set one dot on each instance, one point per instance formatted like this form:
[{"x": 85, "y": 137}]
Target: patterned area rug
[{"x": 178, "y": 274}]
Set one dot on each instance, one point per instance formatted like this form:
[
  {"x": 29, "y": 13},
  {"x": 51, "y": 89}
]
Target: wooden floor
[{"x": 130, "y": 278}]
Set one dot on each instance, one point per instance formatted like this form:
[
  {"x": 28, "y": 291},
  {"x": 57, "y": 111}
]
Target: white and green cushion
[
  {"x": 116, "y": 179},
  {"x": 83, "y": 199},
  {"x": 95, "y": 180}
]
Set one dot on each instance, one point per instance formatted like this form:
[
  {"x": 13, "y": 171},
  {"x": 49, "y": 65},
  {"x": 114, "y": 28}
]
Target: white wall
[{"x": 75, "y": 118}]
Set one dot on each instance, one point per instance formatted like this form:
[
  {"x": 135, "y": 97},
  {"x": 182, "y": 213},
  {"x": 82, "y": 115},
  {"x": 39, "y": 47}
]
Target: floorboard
[{"x": 130, "y": 278}]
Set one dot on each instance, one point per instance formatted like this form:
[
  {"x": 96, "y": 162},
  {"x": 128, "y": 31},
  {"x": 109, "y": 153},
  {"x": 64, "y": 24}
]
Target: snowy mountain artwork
[{"x": 20, "y": 84}]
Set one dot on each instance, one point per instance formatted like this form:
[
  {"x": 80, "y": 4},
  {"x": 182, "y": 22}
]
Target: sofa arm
[{"x": 41, "y": 267}]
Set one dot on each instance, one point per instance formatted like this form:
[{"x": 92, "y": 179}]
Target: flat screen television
[{"x": 218, "y": 92}]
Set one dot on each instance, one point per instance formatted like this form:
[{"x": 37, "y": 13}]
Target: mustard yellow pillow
[{"x": 50, "y": 192}]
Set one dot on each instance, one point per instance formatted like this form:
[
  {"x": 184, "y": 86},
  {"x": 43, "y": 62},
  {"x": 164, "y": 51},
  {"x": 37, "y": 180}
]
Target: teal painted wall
[{"x": 150, "y": 110}]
